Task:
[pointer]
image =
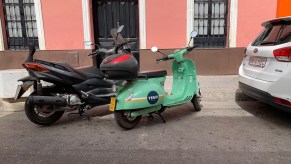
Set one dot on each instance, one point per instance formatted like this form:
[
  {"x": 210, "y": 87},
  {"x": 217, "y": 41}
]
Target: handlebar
[
  {"x": 163, "y": 59},
  {"x": 167, "y": 57},
  {"x": 191, "y": 48},
  {"x": 102, "y": 50}
]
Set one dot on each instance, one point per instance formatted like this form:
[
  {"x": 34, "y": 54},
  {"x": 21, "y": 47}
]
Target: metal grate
[
  {"x": 20, "y": 22},
  {"x": 210, "y": 21}
]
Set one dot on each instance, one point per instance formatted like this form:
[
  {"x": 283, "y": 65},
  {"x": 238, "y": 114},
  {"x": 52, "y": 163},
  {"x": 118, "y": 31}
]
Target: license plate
[
  {"x": 259, "y": 62},
  {"x": 16, "y": 96},
  {"x": 112, "y": 104},
  {"x": 21, "y": 89}
]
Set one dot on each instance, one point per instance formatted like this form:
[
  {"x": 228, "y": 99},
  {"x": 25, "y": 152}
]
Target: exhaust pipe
[{"x": 48, "y": 100}]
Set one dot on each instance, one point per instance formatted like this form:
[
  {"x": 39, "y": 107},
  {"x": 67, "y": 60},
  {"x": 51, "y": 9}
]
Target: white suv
[{"x": 265, "y": 72}]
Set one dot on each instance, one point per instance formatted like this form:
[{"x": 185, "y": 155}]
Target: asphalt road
[{"x": 225, "y": 131}]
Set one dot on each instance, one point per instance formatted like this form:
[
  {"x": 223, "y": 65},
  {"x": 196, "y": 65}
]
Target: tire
[
  {"x": 37, "y": 117},
  {"x": 196, "y": 103},
  {"x": 124, "y": 121}
]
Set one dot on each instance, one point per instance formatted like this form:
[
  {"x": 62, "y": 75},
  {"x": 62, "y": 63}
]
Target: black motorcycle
[{"x": 71, "y": 89}]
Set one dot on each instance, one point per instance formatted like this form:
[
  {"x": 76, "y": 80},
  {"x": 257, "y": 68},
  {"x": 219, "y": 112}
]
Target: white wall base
[{"x": 9, "y": 83}]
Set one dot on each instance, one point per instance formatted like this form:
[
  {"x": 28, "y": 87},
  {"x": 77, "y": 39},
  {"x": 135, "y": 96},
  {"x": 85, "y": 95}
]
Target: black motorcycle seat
[
  {"x": 152, "y": 74},
  {"x": 90, "y": 72}
]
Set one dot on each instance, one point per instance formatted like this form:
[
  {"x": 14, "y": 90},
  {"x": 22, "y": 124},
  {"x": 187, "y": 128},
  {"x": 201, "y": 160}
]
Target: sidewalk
[
  {"x": 213, "y": 88},
  {"x": 217, "y": 88}
]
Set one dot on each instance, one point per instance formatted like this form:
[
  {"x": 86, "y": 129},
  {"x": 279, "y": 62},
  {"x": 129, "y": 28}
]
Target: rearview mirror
[
  {"x": 193, "y": 34},
  {"x": 87, "y": 43},
  {"x": 154, "y": 49},
  {"x": 120, "y": 28}
]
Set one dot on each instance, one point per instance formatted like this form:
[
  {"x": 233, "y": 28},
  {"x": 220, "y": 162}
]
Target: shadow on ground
[{"x": 263, "y": 111}]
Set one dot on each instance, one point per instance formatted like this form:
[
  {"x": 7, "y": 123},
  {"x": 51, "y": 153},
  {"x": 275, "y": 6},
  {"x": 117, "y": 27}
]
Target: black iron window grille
[
  {"x": 210, "y": 21},
  {"x": 20, "y": 23}
]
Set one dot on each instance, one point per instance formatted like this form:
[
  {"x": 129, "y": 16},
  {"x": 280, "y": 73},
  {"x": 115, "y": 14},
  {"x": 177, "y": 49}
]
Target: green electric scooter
[{"x": 146, "y": 94}]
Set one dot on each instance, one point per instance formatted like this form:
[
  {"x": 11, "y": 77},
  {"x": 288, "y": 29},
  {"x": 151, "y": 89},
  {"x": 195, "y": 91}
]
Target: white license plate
[{"x": 259, "y": 62}]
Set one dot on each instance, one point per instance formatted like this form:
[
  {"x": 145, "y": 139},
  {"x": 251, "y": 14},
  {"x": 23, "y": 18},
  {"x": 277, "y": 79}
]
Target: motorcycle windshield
[{"x": 118, "y": 39}]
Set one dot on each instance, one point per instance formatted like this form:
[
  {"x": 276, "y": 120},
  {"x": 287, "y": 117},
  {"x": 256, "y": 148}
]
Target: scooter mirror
[
  {"x": 87, "y": 43},
  {"x": 120, "y": 28},
  {"x": 194, "y": 34},
  {"x": 154, "y": 49}
]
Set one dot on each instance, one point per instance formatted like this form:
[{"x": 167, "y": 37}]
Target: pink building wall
[
  {"x": 63, "y": 24},
  {"x": 166, "y": 23},
  {"x": 251, "y": 13}
]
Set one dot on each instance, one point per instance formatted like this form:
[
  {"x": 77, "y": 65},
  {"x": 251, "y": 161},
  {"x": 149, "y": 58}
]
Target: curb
[{"x": 9, "y": 105}]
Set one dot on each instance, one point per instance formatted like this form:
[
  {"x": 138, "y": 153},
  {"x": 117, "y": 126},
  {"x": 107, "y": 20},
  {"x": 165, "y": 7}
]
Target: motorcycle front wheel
[
  {"x": 39, "y": 115},
  {"x": 124, "y": 120}
]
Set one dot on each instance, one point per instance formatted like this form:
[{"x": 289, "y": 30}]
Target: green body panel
[
  {"x": 135, "y": 94},
  {"x": 178, "y": 56},
  {"x": 184, "y": 83}
]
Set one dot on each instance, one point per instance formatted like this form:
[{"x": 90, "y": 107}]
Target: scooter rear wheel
[
  {"x": 196, "y": 103},
  {"x": 124, "y": 120}
]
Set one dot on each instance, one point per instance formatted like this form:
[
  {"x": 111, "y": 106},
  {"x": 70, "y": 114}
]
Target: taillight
[
  {"x": 35, "y": 67},
  {"x": 120, "y": 59},
  {"x": 282, "y": 101},
  {"x": 283, "y": 54}
]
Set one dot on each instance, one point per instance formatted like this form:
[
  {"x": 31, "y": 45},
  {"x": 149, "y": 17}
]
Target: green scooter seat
[{"x": 152, "y": 74}]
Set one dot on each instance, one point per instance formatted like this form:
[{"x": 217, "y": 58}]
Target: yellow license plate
[{"x": 112, "y": 104}]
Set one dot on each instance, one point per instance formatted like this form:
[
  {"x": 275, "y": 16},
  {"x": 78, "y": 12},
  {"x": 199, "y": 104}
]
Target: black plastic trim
[{"x": 262, "y": 96}]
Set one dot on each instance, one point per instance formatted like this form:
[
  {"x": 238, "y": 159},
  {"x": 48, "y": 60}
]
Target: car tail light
[
  {"x": 120, "y": 59},
  {"x": 282, "y": 101},
  {"x": 35, "y": 67},
  {"x": 283, "y": 54}
]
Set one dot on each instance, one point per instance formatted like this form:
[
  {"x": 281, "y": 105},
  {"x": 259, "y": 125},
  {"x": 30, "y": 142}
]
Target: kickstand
[
  {"x": 82, "y": 114},
  {"x": 150, "y": 117},
  {"x": 164, "y": 121}
]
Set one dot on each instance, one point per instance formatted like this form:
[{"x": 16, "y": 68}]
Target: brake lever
[
  {"x": 93, "y": 54},
  {"x": 158, "y": 61}
]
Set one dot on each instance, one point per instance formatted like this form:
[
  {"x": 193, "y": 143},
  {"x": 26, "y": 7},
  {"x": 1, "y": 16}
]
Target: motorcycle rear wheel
[
  {"x": 125, "y": 121},
  {"x": 41, "y": 118}
]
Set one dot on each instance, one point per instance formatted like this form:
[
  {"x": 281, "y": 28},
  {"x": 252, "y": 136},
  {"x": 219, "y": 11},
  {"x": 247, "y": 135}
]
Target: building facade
[{"x": 59, "y": 28}]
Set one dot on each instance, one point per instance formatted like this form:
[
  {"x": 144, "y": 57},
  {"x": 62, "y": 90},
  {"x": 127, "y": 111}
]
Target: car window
[
  {"x": 268, "y": 36},
  {"x": 285, "y": 35}
]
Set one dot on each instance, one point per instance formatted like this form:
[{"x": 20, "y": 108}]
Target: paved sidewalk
[
  {"x": 214, "y": 88},
  {"x": 217, "y": 88}
]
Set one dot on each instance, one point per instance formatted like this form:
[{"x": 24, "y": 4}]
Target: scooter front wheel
[
  {"x": 124, "y": 120},
  {"x": 196, "y": 103}
]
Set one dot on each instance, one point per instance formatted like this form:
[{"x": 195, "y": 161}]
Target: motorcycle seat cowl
[{"x": 90, "y": 72}]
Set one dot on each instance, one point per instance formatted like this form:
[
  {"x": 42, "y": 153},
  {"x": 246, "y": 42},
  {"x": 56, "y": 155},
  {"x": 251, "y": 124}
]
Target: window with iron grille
[
  {"x": 20, "y": 22},
  {"x": 210, "y": 21}
]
